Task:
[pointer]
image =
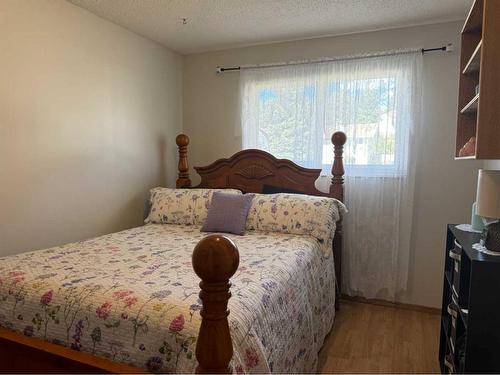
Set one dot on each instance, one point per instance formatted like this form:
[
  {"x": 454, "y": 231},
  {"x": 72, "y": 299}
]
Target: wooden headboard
[{"x": 249, "y": 170}]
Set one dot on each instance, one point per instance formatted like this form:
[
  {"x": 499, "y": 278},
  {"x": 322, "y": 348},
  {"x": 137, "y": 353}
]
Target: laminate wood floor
[{"x": 369, "y": 338}]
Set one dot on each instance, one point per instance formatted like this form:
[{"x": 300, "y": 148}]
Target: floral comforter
[{"x": 132, "y": 297}]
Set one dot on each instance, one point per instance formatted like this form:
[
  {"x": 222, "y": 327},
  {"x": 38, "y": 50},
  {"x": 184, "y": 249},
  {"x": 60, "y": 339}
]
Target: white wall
[
  {"x": 88, "y": 116},
  {"x": 444, "y": 187},
  {"x": 491, "y": 164}
]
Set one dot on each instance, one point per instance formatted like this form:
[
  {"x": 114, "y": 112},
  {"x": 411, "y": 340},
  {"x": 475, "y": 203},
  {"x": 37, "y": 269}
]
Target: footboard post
[{"x": 215, "y": 260}]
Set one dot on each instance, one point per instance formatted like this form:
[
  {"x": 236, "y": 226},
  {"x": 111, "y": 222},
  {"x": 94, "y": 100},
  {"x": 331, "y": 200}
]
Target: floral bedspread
[{"x": 132, "y": 297}]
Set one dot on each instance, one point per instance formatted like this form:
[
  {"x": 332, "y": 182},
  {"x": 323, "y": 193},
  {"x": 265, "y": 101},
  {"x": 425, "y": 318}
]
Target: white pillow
[{"x": 181, "y": 206}]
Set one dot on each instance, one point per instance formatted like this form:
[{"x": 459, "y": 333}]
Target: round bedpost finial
[
  {"x": 339, "y": 138},
  {"x": 215, "y": 260},
  {"x": 182, "y": 140}
]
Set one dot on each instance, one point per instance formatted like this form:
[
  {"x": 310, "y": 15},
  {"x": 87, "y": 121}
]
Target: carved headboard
[{"x": 250, "y": 170}]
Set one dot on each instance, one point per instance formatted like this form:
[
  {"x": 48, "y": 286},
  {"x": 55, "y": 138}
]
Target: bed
[{"x": 128, "y": 301}]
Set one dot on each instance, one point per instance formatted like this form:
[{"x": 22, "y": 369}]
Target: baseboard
[{"x": 399, "y": 305}]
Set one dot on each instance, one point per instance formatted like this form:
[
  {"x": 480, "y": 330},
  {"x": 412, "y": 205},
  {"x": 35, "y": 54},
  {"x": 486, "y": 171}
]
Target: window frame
[{"x": 397, "y": 168}]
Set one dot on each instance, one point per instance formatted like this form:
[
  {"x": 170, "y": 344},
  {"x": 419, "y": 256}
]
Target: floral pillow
[
  {"x": 181, "y": 206},
  {"x": 296, "y": 214}
]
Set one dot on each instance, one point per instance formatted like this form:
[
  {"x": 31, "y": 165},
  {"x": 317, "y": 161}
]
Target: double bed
[{"x": 129, "y": 301}]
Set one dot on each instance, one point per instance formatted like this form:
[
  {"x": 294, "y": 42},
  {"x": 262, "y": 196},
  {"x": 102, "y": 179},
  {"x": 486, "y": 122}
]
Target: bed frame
[{"x": 215, "y": 260}]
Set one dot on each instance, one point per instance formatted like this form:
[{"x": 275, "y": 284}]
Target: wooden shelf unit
[{"x": 479, "y": 112}]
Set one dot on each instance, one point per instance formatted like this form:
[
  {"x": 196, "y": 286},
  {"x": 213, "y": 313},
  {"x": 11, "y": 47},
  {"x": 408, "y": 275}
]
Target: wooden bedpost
[
  {"x": 337, "y": 186},
  {"x": 337, "y": 190},
  {"x": 182, "y": 141},
  {"x": 215, "y": 260}
]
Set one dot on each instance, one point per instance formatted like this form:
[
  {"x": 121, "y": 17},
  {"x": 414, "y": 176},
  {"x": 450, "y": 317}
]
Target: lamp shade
[{"x": 488, "y": 194}]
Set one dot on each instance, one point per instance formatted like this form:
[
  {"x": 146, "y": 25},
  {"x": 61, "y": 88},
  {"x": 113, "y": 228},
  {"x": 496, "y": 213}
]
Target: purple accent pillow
[{"x": 228, "y": 213}]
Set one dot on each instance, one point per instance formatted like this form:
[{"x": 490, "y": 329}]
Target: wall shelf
[
  {"x": 475, "y": 61},
  {"x": 465, "y": 157},
  {"x": 471, "y": 107},
  {"x": 478, "y": 121},
  {"x": 474, "y": 21}
]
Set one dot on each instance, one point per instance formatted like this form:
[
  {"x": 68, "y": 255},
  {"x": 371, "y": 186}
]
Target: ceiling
[{"x": 221, "y": 24}]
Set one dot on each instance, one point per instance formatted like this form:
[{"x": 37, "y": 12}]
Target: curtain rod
[{"x": 446, "y": 48}]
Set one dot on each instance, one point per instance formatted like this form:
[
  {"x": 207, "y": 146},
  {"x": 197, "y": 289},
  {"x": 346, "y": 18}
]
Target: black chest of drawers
[{"x": 470, "y": 318}]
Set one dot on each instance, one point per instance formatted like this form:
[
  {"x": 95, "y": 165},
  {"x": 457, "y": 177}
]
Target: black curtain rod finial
[
  {"x": 447, "y": 48},
  {"x": 220, "y": 70}
]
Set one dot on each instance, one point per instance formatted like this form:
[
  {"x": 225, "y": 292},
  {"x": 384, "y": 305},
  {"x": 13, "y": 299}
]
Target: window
[
  {"x": 293, "y": 111},
  {"x": 369, "y": 124}
]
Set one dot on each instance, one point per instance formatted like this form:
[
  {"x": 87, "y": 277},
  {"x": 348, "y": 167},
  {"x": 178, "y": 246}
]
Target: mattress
[{"x": 132, "y": 297}]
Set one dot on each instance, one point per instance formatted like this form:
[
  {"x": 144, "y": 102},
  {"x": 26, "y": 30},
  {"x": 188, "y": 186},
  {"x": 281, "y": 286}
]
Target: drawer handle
[
  {"x": 454, "y": 256},
  {"x": 452, "y": 311},
  {"x": 457, "y": 245}
]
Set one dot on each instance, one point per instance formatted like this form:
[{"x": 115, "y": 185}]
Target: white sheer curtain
[{"x": 291, "y": 111}]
